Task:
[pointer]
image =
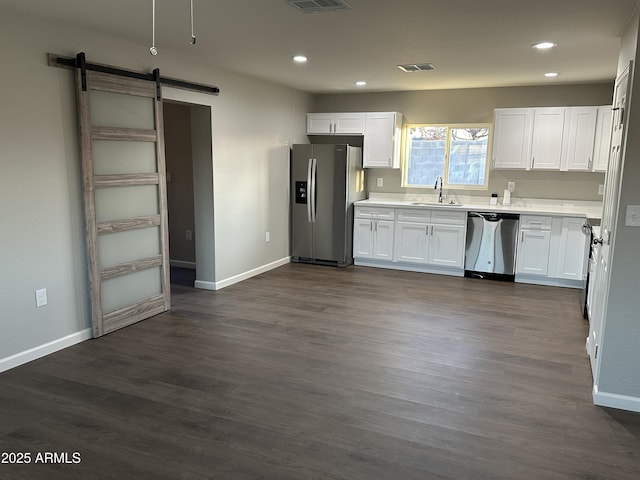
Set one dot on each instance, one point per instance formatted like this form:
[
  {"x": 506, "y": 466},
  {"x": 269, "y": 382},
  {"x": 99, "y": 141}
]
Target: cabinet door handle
[
  {"x": 432, "y": 230},
  {"x": 522, "y": 237}
]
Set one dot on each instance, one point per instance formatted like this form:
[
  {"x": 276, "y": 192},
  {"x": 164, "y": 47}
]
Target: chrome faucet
[{"x": 436, "y": 186}]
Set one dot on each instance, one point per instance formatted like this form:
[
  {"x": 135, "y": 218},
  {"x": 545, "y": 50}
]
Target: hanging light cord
[
  {"x": 193, "y": 36},
  {"x": 153, "y": 50}
]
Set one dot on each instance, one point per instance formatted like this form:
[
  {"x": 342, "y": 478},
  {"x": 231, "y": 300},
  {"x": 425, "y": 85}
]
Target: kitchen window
[{"x": 457, "y": 153}]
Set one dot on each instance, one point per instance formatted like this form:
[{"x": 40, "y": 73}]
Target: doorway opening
[{"x": 187, "y": 135}]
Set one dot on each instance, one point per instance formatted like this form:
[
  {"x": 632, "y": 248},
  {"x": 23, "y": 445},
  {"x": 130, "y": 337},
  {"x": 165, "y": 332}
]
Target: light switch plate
[
  {"x": 632, "y": 218},
  {"x": 601, "y": 189},
  {"x": 380, "y": 182}
]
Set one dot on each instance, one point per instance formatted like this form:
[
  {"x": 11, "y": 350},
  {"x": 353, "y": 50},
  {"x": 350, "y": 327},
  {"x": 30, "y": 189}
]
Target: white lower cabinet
[
  {"x": 552, "y": 251},
  {"x": 534, "y": 240},
  {"x": 533, "y": 252},
  {"x": 412, "y": 240},
  {"x": 571, "y": 245},
  {"x": 430, "y": 244},
  {"x": 446, "y": 245},
  {"x": 430, "y": 237},
  {"x": 373, "y": 233},
  {"x": 419, "y": 239},
  {"x": 383, "y": 240}
]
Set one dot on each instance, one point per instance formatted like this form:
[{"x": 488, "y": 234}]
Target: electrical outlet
[
  {"x": 267, "y": 237},
  {"x": 188, "y": 234},
  {"x": 632, "y": 218},
  {"x": 41, "y": 297},
  {"x": 511, "y": 186},
  {"x": 380, "y": 182},
  {"x": 601, "y": 189}
]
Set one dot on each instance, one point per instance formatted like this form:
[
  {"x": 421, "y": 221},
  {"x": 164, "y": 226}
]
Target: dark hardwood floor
[{"x": 311, "y": 372}]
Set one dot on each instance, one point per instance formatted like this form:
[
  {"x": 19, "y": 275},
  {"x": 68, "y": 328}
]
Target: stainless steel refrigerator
[{"x": 325, "y": 181}]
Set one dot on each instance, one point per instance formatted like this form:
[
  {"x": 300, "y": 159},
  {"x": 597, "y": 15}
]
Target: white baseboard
[
  {"x": 182, "y": 264},
  {"x": 242, "y": 276},
  {"x": 614, "y": 400},
  {"x": 43, "y": 350},
  {"x": 552, "y": 282},
  {"x": 204, "y": 285}
]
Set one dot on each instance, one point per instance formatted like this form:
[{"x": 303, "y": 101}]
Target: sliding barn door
[{"x": 123, "y": 168}]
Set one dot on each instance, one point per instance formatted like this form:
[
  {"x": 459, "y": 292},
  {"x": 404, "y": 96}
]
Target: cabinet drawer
[
  {"x": 379, "y": 213},
  {"x": 448, "y": 217},
  {"x": 416, "y": 215},
  {"x": 535, "y": 222}
]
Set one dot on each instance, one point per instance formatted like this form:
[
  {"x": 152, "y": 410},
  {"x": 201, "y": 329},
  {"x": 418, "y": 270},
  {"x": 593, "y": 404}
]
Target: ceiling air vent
[
  {"x": 416, "y": 67},
  {"x": 315, "y": 6}
]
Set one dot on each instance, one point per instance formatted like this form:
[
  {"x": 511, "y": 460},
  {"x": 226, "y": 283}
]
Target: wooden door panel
[{"x": 124, "y": 181}]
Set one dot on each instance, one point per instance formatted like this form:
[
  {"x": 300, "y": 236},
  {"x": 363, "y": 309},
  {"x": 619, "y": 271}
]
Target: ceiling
[{"x": 471, "y": 43}]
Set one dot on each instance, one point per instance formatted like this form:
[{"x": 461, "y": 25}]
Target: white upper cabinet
[
  {"x": 602, "y": 139},
  {"x": 551, "y": 138},
  {"x": 319, "y": 123},
  {"x": 579, "y": 138},
  {"x": 546, "y": 145},
  {"x": 335, "y": 123},
  {"x": 512, "y": 129},
  {"x": 382, "y": 140}
]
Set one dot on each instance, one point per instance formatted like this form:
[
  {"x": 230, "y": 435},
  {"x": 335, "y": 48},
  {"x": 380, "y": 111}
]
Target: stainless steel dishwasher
[{"x": 491, "y": 245}]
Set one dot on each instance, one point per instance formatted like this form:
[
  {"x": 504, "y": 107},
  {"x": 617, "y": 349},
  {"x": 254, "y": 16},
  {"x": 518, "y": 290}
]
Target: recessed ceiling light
[
  {"x": 361, "y": 83},
  {"x": 551, "y": 74},
  {"x": 300, "y": 59},
  {"x": 544, "y": 45}
]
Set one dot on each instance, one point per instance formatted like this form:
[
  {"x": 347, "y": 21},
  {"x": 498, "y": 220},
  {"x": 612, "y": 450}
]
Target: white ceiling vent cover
[
  {"x": 315, "y": 6},
  {"x": 416, "y": 67}
]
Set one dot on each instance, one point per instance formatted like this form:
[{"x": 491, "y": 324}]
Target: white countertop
[{"x": 529, "y": 206}]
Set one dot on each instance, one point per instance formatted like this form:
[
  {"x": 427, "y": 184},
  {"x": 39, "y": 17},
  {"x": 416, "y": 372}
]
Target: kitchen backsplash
[{"x": 551, "y": 185}]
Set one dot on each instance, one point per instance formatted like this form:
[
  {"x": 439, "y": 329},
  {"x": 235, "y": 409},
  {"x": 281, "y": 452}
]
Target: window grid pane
[
  {"x": 462, "y": 156},
  {"x": 467, "y": 156},
  {"x": 427, "y": 147}
]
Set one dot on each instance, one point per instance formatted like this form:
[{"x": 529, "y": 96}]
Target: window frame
[{"x": 445, "y": 174}]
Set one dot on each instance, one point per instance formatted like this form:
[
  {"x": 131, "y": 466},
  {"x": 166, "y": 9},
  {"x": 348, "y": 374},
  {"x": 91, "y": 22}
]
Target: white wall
[{"x": 41, "y": 219}]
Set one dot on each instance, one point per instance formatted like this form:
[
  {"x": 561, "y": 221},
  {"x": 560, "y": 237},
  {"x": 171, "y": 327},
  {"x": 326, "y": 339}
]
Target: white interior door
[
  {"x": 609, "y": 216},
  {"x": 125, "y": 198}
]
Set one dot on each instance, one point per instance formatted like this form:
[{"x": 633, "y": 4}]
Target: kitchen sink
[{"x": 435, "y": 204}]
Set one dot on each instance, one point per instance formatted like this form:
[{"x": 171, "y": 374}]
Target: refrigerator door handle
[
  {"x": 309, "y": 184},
  {"x": 314, "y": 171}
]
